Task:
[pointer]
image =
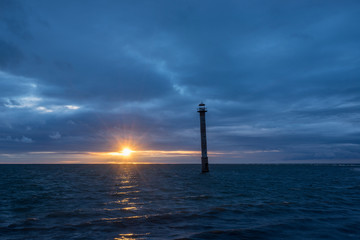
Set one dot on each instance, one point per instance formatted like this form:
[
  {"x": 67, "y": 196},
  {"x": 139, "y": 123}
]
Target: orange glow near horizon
[{"x": 127, "y": 152}]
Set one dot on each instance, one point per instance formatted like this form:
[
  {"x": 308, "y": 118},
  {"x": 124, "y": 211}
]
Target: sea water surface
[{"x": 177, "y": 202}]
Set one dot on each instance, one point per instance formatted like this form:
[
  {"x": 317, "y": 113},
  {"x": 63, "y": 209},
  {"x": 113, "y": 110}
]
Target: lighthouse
[{"x": 204, "y": 158}]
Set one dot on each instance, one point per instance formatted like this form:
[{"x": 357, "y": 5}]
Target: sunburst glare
[{"x": 126, "y": 152}]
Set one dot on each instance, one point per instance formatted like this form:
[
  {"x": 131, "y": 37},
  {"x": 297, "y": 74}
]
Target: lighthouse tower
[{"x": 204, "y": 158}]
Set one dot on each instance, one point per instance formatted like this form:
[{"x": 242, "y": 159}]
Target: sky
[{"x": 81, "y": 80}]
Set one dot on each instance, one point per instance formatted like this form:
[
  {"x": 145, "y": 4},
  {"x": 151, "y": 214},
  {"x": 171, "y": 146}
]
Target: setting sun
[{"x": 126, "y": 152}]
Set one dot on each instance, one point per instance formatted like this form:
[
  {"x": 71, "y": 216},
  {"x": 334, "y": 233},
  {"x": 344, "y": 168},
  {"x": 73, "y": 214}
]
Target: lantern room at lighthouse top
[{"x": 202, "y": 107}]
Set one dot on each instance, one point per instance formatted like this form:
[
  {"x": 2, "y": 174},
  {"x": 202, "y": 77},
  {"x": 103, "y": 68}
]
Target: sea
[{"x": 294, "y": 201}]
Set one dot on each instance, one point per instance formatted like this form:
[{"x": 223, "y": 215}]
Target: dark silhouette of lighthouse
[{"x": 204, "y": 158}]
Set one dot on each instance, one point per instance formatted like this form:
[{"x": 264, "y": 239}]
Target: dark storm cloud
[{"x": 281, "y": 78}]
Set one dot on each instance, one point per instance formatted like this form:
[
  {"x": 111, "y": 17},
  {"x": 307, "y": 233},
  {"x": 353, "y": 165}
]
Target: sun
[{"x": 126, "y": 152}]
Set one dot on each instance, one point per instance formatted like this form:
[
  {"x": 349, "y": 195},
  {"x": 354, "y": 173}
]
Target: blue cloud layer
[{"x": 280, "y": 79}]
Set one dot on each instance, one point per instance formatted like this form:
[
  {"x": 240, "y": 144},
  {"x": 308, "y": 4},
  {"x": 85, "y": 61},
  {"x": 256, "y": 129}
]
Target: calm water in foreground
[{"x": 176, "y": 202}]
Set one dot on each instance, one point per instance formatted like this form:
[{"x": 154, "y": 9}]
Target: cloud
[
  {"x": 13, "y": 86},
  {"x": 23, "y": 139},
  {"x": 26, "y": 140},
  {"x": 55, "y": 135}
]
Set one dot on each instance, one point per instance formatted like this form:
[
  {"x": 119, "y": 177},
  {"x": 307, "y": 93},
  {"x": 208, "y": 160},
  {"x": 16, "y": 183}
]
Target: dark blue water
[{"x": 176, "y": 202}]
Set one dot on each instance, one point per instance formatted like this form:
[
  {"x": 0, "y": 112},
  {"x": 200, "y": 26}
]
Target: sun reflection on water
[
  {"x": 131, "y": 236},
  {"x": 125, "y": 205}
]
